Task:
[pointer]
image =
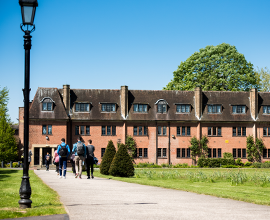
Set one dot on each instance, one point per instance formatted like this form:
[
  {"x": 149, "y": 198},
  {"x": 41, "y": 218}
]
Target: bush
[
  {"x": 247, "y": 164},
  {"x": 266, "y": 164},
  {"x": 165, "y": 165},
  {"x": 227, "y": 155},
  {"x": 15, "y": 164},
  {"x": 238, "y": 162},
  {"x": 257, "y": 165},
  {"x": 147, "y": 165},
  {"x": 214, "y": 162},
  {"x": 122, "y": 163},
  {"x": 107, "y": 158}
]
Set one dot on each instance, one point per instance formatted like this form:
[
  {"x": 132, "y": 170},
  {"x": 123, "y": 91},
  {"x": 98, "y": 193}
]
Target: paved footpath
[{"x": 100, "y": 198}]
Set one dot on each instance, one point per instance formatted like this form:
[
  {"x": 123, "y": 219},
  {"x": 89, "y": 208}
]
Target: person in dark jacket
[
  {"x": 63, "y": 151},
  {"x": 47, "y": 161},
  {"x": 90, "y": 159}
]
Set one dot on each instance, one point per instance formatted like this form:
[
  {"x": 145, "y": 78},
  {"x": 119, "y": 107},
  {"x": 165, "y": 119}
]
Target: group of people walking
[{"x": 79, "y": 153}]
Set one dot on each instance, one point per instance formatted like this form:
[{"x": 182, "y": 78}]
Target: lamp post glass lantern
[{"x": 28, "y": 9}]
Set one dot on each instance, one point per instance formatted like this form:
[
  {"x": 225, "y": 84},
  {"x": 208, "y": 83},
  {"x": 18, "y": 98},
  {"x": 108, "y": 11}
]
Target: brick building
[{"x": 161, "y": 122}]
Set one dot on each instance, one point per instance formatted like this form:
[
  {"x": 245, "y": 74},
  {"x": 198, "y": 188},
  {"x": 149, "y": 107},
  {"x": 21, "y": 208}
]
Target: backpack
[
  {"x": 80, "y": 149},
  {"x": 63, "y": 151}
]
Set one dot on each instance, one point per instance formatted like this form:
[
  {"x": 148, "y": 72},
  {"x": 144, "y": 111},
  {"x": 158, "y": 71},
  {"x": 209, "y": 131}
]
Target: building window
[
  {"x": 87, "y": 130},
  {"x": 82, "y": 130},
  {"x": 266, "y": 131},
  {"x": 82, "y": 107},
  {"x": 184, "y": 131},
  {"x": 214, "y": 131},
  {"x": 266, "y": 109},
  {"x": 108, "y": 107},
  {"x": 162, "y": 152},
  {"x": 102, "y": 151},
  {"x": 214, "y": 153},
  {"x": 209, "y": 152},
  {"x": 213, "y": 109},
  {"x": 140, "y": 108},
  {"x": 140, "y": 152},
  {"x": 162, "y": 108},
  {"x": 47, "y": 106},
  {"x": 219, "y": 152},
  {"x": 139, "y": 130},
  {"x": 266, "y": 153},
  {"x": 162, "y": 130},
  {"x": 145, "y": 152},
  {"x": 108, "y": 130},
  {"x": 183, "y": 153},
  {"x": 159, "y": 152},
  {"x": 244, "y": 153},
  {"x": 239, "y": 153},
  {"x": 239, "y": 109},
  {"x": 183, "y": 108},
  {"x": 77, "y": 130},
  {"x": 46, "y": 129},
  {"x": 239, "y": 131},
  {"x": 178, "y": 150}
]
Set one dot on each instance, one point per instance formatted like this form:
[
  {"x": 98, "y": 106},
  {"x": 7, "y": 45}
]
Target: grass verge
[
  {"x": 45, "y": 201},
  {"x": 249, "y": 185}
]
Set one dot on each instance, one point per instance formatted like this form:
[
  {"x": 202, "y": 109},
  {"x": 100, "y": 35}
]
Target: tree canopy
[
  {"x": 8, "y": 146},
  {"x": 216, "y": 68},
  {"x": 264, "y": 74}
]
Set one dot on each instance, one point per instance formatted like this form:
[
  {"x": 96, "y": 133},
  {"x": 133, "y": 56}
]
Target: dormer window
[
  {"x": 266, "y": 109},
  {"x": 82, "y": 107},
  {"x": 161, "y": 106},
  {"x": 239, "y": 109},
  {"x": 140, "y": 108},
  {"x": 183, "y": 108},
  {"x": 213, "y": 109},
  {"x": 108, "y": 107},
  {"x": 47, "y": 104}
]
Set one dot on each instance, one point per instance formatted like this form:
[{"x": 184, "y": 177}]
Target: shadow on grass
[{"x": 4, "y": 173}]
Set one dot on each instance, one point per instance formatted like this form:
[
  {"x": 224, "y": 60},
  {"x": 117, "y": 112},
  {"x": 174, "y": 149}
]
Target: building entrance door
[
  {"x": 44, "y": 152},
  {"x": 36, "y": 156}
]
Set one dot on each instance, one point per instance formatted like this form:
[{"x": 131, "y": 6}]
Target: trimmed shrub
[
  {"x": 247, "y": 164},
  {"x": 107, "y": 158},
  {"x": 147, "y": 165},
  {"x": 122, "y": 163},
  {"x": 266, "y": 164},
  {"x": 257, "y": 165},
  {"x": 214, "y": 162}
]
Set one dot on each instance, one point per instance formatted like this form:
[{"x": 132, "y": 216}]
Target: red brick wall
[{"x": 59, "y": 130}]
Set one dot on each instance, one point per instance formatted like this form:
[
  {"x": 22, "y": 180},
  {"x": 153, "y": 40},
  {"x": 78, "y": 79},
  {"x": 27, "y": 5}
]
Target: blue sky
[{"x": 139, "y": 43}]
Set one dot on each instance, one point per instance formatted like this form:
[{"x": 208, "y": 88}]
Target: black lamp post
[{"x": 28, "y": 8}]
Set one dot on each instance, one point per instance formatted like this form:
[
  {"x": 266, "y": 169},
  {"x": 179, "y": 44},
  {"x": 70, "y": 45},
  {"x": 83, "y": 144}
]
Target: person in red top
[{"x": 56, "y": 161}]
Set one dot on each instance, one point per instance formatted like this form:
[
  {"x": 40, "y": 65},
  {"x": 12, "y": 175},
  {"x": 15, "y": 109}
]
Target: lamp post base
[{"x": 25, "y": 193}]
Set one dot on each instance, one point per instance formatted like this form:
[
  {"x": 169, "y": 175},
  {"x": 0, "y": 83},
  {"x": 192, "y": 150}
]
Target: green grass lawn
[
  {"x": 249, "y": 185},
  {"x": 45, "y": 201}
]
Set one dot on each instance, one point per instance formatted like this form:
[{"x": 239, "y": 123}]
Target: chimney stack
[
  {"x": 124, "y": 101},
  {"x": 66, "y": 97},
  {"x": 198, "y": 102},
  {"x": 253, "y": 103}
]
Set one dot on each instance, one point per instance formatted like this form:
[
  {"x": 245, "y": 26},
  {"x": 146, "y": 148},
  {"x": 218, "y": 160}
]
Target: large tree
[
  {"x": 264, "y": 74},
  {"x": 8, "y": 146},
  {"x": 217, "y": 68}
]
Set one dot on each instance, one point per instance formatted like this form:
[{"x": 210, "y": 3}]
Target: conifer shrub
[
  {"x": 107, "y": 158},
  {"x": 122, "y": 163}
]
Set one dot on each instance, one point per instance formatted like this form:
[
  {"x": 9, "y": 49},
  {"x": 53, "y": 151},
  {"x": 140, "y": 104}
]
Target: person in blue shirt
[
  {"x": 80, "y": 152},
  {"x": 47, "y": 160},
  {"x": 63, "y": 151}
]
